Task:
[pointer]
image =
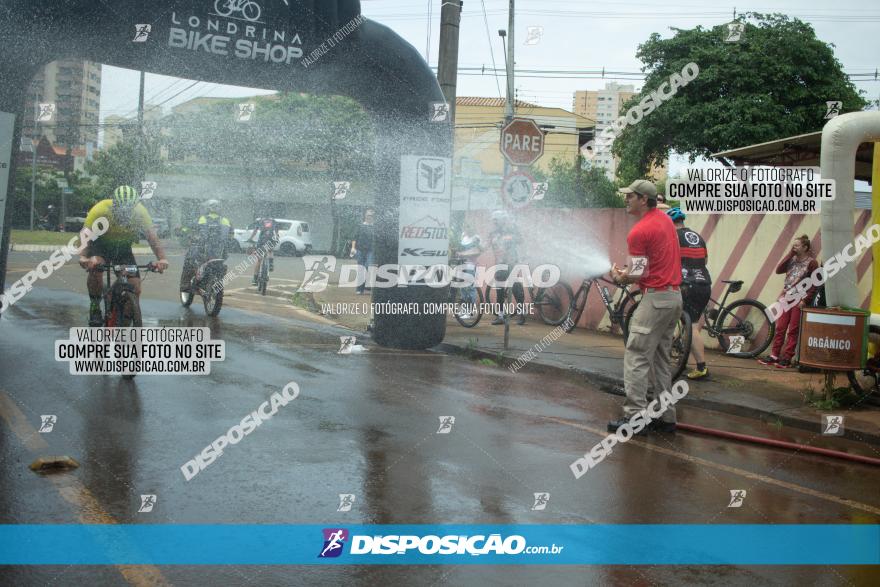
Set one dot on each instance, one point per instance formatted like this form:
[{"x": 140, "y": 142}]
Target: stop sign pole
[{"x": 522, "y": 143}]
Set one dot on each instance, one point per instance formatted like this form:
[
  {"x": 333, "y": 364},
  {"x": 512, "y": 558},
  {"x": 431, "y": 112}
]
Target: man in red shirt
[{"x": 655, "y": 264}]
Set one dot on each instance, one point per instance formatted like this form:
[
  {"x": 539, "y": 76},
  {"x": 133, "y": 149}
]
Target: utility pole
[
  {"x": 447, "y": 64},
  {"x": 508, "y": 63},
  {"x": 510, "y": 84},
  {"x": 142, "y": 155},
  {"x": 35, "y": 142}
]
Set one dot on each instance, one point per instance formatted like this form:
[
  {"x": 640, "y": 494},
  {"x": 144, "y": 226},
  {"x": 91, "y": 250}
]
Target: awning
[{"x": 800, "y": 150}]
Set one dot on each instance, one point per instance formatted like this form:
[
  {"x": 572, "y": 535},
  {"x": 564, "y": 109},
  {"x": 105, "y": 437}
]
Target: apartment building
[{"x": 74, "y": 86}]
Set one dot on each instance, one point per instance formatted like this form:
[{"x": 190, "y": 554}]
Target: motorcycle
[{"x": 207, "y": 283}]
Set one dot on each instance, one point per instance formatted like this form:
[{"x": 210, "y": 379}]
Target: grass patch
[
  {"x": 488, "y": 362},
  {"x": 305, "y": 300},
  {"x": 40, "y": 237}
]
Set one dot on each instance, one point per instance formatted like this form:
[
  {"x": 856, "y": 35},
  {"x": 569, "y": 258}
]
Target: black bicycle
[
  {"x": 744, "y": 324},
  {"x": 121, "y": 306},
  {"x": 618, "y": 311},
  {"x": 208, "y": 283},
  {"x": 552, "y": 304}
]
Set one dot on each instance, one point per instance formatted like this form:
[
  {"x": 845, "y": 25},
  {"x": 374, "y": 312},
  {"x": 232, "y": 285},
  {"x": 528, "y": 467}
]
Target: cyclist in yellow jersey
[{"x": 128, "y": 219}]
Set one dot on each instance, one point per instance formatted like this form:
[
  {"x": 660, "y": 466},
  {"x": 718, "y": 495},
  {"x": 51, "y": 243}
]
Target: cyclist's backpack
[{"x": 215, "y": 238}]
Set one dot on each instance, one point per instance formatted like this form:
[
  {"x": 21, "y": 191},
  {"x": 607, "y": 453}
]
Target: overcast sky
[{"x": 577, "y": 35}]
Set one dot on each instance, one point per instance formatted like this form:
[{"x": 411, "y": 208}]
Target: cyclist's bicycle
[
  {"x": 121, "y": 307},
  {"x": 468, "y": 312},
  {"x": 746, "y": 318},
  {"x": 208, "y": 283},
  {"x": 618, "y": 311},
  {"x": 551, "y": 303},
  {"x": 263, "y": 274}
]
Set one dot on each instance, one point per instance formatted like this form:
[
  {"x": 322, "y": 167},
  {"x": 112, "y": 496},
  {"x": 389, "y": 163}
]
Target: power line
[{"x": 491, "y": 51}]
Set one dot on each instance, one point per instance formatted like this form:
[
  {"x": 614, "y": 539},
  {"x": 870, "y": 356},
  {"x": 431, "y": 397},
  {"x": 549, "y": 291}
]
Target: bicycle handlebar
[{"x": 151, "y": 266}]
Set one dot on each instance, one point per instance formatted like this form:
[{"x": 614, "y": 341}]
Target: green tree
[
  {"x": 772, "y": 84},
  {"x": 287, "y": 131},
  {"x": 571, "y": 186},
  {"x": 124, "y": 163}
]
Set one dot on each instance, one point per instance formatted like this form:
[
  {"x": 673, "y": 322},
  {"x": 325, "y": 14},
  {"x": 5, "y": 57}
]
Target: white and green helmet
[{"x": 125, "y": 197}]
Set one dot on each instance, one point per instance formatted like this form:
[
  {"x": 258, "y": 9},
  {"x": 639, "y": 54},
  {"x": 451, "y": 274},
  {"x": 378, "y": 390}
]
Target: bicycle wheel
[
  {"x": 746, "y": 318},
  {"x": 212, "y": 301},
  {"x": 554, "y": 303},
  {"x": 128, "y": 314},
  {"x": 469, "y": 320},
  {"x": 681, "y": 346},
  {"x": 578, "y": 303},
  {"x": 867, "y": 380},
  {"x": 264, "y": 277}
]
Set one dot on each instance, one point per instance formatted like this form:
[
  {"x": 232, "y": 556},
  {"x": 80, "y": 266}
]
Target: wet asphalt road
[{"x": 366, "y": 425}]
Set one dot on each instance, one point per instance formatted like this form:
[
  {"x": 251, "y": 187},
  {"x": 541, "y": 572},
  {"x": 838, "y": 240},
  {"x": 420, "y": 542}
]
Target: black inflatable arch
[{"x": 261, "y": 44}]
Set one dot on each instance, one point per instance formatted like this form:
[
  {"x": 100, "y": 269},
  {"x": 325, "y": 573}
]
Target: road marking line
[
  {"x": 88, "y": 508},
  {"x": 728, "y": 469}
]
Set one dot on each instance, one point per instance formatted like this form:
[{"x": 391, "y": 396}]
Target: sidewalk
[{"x": 739, "y": 387}]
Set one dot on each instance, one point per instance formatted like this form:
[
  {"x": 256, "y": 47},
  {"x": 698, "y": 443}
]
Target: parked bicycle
[
  {"x": 618, "y": 310},
  {"x": 745, "y": 318},
  {"x": 551, "y": 303},
  {"x": 207, "y": 283},
  {"x": 121, "y": 306}
]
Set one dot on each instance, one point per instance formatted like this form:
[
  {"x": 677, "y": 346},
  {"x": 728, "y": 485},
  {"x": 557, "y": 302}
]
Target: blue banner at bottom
[{"x": 624, "y": 544}]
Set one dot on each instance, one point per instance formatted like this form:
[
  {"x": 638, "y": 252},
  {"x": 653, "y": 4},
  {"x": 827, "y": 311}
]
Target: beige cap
[{"x": 642, "y": 187}]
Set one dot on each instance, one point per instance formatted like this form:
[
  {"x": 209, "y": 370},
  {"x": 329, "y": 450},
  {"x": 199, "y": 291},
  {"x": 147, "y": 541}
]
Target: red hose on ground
[{"x": 780, "y": 444}]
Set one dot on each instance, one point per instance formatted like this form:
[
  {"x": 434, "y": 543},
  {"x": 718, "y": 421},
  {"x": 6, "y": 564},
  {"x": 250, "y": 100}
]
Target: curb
[
  {"x": 614, "y": 386},
  {"x": 53, "y": 248}
]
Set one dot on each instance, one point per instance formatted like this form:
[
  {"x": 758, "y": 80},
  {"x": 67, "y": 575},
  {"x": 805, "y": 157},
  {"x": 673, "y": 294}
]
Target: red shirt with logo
[{"x": 654, "y": 237}]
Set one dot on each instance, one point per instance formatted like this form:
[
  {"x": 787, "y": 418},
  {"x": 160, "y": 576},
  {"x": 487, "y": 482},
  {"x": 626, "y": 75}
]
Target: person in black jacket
[
  {"x": 362, "y": 246},
  {"x": 695, "y": 276}
]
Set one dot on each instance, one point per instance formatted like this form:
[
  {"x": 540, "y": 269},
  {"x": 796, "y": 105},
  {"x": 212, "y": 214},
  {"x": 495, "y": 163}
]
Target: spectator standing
[
  {"x": 469, "y": 248},
  {"x": 655, "y": 264},
  {"x": 505, "y": 240},
  {"x": 799, "y": 263},
  {"x": 697, "y": 286},
  {"x": 362, "y": 247}
]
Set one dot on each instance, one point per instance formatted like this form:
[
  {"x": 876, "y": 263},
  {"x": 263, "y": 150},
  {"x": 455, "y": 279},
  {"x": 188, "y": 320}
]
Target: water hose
[{"x": 780, "y": 444}]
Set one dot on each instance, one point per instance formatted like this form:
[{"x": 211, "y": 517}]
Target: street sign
[
  {"x": 522, "y": 141},
  {"x": 517, "y": 189},
  {"x": 67, "y": 190}
]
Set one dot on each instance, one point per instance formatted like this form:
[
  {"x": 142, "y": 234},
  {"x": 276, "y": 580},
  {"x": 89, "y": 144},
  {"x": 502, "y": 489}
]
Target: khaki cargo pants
[{"x": 646, "y": 363}]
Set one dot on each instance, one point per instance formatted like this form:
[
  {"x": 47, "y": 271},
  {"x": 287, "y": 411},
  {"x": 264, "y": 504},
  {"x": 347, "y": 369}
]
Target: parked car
[
  {"x": 74, "y": 223},
  {"x": 294, "y": 237}
]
